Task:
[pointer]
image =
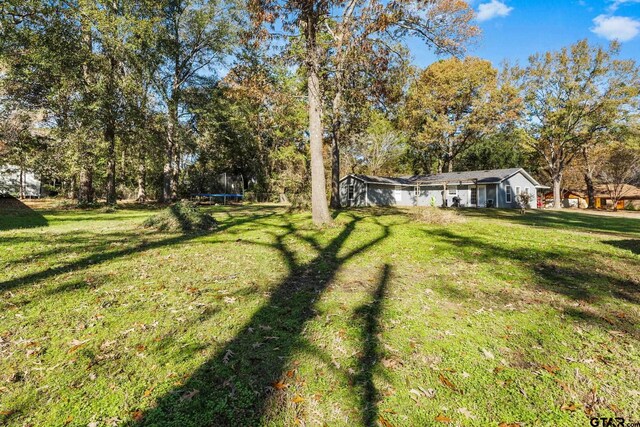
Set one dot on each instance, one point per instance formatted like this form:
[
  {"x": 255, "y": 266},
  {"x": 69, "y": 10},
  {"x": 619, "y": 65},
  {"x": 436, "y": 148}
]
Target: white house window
[
  {"x": 453, "y": 190},
  {"x": 474, "y": 196},
  {"x": 508, "y": 189},
  {"x": 517, "y": 191},
  {"x": 526, "y": 190},
  {"x": 351, "y": 192}
]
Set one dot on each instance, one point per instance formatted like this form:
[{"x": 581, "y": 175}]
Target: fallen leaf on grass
[
  {"x": 445, "y": 381},
  {"x": 384, "y": 422},
  {"x": 563, "y": 385},
  {"x": 466, "y": 412},
  {"x": 569, "y": 407},
  {"x": 420, "y": 392},
  {"x": 7, "y": 413},
  {"x": 552, "y": 369},
  {"x": 508, "y": 425},
  {"x": 68, "y": 420},
  {"x": 298, "y": 399},
  {"x": 137, "y": 416},
  {"x": 443, "y": 419},
  {"x": 227, "y": 356},
  {"x": 487, "y": 354},
  {"x": 75, "y": 345},
  {"x": 279, "y": 385},
  {"x": 189, "y": 395}
]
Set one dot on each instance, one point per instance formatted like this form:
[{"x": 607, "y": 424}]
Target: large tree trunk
[
  {"x": 21, "y": 190},
  {"x": 588, "y": 178},
  {"x": 557, "y": 190},
  {"x": 110, "y": 137},
  {"x": 335, "y": 158},
  {"x": 142, "y": 178},
  {"x": 319, "y": 207},
  {"x": 168, "y": 170},
  {"x": 73, "y": 191},
  {"x": 85, "y": 190},
  {"x": 176, "y": 172},
  {"x": 591, "y": 191},
  {"x": 85, "y": 187}
]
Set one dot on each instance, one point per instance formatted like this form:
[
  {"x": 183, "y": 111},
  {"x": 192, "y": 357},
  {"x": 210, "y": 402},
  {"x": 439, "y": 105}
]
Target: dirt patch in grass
[{"x": 437, "y": 216}]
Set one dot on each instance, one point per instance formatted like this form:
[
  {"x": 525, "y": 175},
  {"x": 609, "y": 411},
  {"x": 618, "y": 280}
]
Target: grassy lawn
[{"x": 379, "y": 320}]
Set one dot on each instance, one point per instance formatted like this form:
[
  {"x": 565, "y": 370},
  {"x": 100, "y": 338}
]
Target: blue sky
[{"x": 515, "y": 29}]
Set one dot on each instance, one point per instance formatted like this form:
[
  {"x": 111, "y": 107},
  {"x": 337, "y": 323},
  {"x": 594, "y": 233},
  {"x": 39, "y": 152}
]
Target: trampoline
[{"x": 234, "y": 197}]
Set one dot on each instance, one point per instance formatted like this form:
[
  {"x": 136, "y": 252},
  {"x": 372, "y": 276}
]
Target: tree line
[{"x": 154, "y": 99}]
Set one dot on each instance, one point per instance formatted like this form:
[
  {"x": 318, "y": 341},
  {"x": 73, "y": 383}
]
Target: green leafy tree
[
  {"x": 454, "y": 104},
  {"x": 574, "y": 99},
  {"x": 194, "y": 38}
]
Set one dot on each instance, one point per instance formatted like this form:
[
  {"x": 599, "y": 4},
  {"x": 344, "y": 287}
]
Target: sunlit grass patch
[{"x": 268, "y": 320}]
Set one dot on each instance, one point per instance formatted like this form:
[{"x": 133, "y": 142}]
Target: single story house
[
  {"x": 629, "y": 197},
  {"x": 488, "y": 188},
  {"x": 11, "y": 177}
]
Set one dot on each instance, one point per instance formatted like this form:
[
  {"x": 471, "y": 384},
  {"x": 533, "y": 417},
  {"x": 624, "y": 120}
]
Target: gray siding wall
[
  {"x": 427, "y": 192},
  {"x": 517, "y": 180},
  {"x": 359, "y": 197},
  {"x": 390, "y": 195}
]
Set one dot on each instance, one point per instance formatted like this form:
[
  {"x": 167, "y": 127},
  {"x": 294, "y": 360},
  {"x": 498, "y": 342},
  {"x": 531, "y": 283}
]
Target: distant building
[
  {"x": 488, "y": 188},
  {"x": 11, "y": 179},
  {"x": 572, "y": 198}
]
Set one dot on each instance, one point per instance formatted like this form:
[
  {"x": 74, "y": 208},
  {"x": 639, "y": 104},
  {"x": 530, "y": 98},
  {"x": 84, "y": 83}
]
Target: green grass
[{"x": 268, "y": 320}]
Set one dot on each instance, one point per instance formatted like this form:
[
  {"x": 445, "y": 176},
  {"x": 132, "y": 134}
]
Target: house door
[{"x": 482, "y": 195}]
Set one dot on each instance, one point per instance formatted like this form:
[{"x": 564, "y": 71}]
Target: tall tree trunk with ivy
[{"x": 319, "y": 207}]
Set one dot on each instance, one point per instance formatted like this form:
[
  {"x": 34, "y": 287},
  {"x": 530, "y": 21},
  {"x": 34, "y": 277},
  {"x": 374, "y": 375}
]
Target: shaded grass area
[{"x": 378, "y": 320}]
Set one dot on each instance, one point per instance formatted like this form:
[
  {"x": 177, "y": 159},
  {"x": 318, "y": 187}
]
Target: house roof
[
  {"x": 371, "y": 179},
  {"x": 468, "y": 177},
  {"x": 627, "y": 192}
]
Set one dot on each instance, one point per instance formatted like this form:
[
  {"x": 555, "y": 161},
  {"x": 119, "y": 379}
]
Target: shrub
[
  {"x": 437, "y": 216},
  {"x": 181, "y": 216}
]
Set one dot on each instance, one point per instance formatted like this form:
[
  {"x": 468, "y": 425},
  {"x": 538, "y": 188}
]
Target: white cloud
[
  {"x": 615, "y": 4},
  {"x": 493, "y": 9},
  {"x": 619, "y": 28}
]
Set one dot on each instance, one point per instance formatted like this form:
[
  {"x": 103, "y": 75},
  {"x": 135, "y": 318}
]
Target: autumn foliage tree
[
  {"x": 574, "y": 99},
  {"x": 353, "y": 27},
  {"x": 456, "y": 103},
  {"x": 619, "y": 168},
  {"x": 365, "y": 34}
]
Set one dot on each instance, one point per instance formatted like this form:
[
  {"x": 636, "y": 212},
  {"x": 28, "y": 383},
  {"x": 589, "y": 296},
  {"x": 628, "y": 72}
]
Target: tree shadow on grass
[
  {"x": 100, "y": 257},
  {"x": 371, "y": 353},
  {"x": 235, "y": 387},
  {"x": 572, "y": 275},
  {"x": 14, "y": 214},
  {"x": 632, "y": 245},
  {"x": 604, "y": 224}
]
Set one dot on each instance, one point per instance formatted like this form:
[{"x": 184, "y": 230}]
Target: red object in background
[{"x": 540, "y": 202}]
